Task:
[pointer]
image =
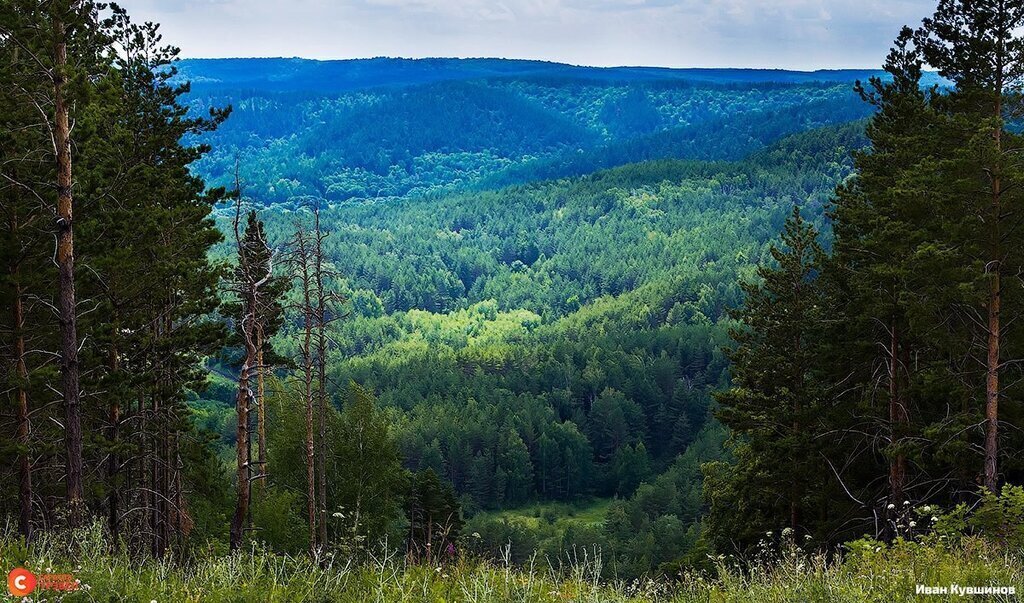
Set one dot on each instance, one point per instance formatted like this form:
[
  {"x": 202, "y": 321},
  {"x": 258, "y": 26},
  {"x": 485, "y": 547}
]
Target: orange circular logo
[{"x": 21, "y": 582}]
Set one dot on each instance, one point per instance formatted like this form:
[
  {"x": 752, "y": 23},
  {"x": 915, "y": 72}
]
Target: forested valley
[{"x": 664, "y": 325}]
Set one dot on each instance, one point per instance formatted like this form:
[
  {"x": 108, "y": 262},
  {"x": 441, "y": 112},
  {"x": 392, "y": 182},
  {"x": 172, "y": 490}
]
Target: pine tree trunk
[
  {"x": 114, "y": 461},
  {"x": 994, "y": 327},
  {"x": 992, "y": 386},
  {"x": 302, "y": 251},
  {"x": 146, "y": 469},
  {"x": 261, "y": 415},
  {"x": 21, "y": 371},
  {"x": 154, "y": 474},
  {"x": 66, "y": 284},
  {"x": 898, "y": 419},
  {"x": 321, "y": 455},
  {"x": 321, "y": 355},
  {"x": 311, "y": 494},
  {"x": 21, "y": 390},
  {"x": 242, "y": 450}
]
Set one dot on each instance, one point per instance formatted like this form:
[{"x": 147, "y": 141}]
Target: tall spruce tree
[{"x": 776, "y": 399}]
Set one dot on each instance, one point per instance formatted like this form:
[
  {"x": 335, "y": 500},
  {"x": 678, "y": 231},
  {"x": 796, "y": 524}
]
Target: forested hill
[
  {"x": 557, "y": 341},
  {"x": 326, "y": 77},
  {"x": 390, "y": 128}
]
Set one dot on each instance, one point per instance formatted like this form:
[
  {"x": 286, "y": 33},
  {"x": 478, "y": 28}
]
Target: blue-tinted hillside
[{"x": 392, "y": 128}]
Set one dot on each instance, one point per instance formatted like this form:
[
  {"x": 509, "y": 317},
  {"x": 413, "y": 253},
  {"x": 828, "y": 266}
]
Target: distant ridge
[{"x": 339, "y": 76}]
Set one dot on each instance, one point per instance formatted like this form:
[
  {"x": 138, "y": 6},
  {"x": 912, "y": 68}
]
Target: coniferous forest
[{"x": 507, "y": 330}]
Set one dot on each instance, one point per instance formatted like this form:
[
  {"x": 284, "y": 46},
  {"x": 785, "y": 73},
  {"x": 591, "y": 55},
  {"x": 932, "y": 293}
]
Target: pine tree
[
  {"x": 257, "y": 313},
  {"x": 881, "y": 217},
  {"x": 775, "y": 398},
  {"x": 20, "y": 251},
  {"x": 979, "y": 47},
  {"x": 514, "y": 460},
  {"x": 40, "y": 38},
  {"x": 145, "y": 236},
  {"x": 434, "y": 517}
]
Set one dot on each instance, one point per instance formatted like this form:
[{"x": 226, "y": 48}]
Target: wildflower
[
  {"x": 913, "y": 524},
  {"x": 891, "y": 506},
  {"x": 768, "y": 533},
  {"x": 926, "y": 509},
  {"x": 786, "y": 532},
  {"x": 438, "y": 570},
  {"x": 476, "y": 534},
  {"x": 807, "y": 536},
  {"x": 337, "y": 514},
  {"x": 934, "y": 518}
]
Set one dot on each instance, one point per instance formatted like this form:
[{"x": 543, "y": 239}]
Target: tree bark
[
  {"x": 21, "y": 393},
  {"x": 261, "y": 415},
  {"x": 242, "y": 448},
  {"x": 302, "y": 273},
  {"x": 992, "y": 386},
  {"x": 898, "y": 419},
  {"x": 992, "y": 363},
  {"x": 310, "y": 445},
  {"x": 321, "y": 355},
  {"x": 66, "y": 283},
  {"x": 114, "y": 461}
]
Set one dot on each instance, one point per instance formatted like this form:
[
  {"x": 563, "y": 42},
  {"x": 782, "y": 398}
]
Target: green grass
[
  {"x": 869, "y": 572},
  {"x": 558, "y": 515}
]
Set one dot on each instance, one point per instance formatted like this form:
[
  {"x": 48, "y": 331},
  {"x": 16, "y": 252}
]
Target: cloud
[{"x": 757, "y": 33}]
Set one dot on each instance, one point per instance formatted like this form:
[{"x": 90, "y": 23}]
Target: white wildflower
[
  {"x": 934, "y": 518},
  {"x": 891, "y": 506},
  {"x": 913, "y": 524}
]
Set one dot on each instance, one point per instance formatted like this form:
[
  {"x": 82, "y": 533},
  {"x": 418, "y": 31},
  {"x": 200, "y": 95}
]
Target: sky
[{"x": 785, "y": 34}]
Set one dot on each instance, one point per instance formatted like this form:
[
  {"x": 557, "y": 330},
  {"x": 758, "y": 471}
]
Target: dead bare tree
[
  {"x": 301, "y": 264},
  {"x": 324, "y": 311},
  {"x": 247, "y": 286}
]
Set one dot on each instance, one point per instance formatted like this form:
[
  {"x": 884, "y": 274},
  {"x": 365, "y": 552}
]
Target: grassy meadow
[{"x": 868, "y": 571}]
